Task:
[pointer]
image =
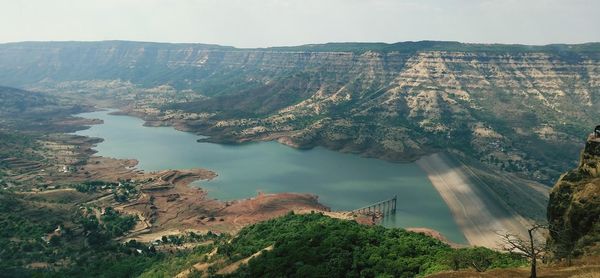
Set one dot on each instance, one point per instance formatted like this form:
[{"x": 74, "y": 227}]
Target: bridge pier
[{"x": 384, "y": 207}]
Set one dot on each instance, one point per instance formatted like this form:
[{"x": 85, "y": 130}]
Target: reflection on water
[{"x": 342, "y": 181}]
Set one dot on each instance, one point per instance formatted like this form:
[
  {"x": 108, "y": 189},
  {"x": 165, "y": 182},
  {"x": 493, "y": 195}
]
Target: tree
[
  {"x": 480, "y": 259},
  {"x": 530, "y": 248},
  {"x": 454, "y": 259},
  {"x": 563, "y": 244}
]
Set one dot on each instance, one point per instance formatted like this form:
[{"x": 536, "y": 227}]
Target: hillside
[
  {"x": 67, "y": 213},
  {"x": 504, "y": 105},
  {"x": 574, "y": 207},
  {"x": 33, "y": 111},
  {"x": 313, "y": 245}
]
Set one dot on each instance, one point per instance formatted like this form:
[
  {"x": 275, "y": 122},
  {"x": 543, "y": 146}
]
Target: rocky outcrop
[{"x": 574, "y": 206}]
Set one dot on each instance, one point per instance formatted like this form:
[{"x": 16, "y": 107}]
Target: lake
[{"x": 342, "y": 181}]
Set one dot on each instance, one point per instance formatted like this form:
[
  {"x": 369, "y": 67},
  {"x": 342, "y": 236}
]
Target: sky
[{"x": 263, "y": 23}]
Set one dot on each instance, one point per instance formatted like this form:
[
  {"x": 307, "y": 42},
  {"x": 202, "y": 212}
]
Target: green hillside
[{"x": 313, "y": 245}]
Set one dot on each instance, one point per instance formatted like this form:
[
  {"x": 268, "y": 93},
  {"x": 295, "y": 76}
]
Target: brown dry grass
[{"x": 587, "y": 267}]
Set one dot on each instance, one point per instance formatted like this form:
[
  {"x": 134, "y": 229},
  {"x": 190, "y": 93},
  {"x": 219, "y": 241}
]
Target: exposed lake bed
[{"x": 342, "y": 181}]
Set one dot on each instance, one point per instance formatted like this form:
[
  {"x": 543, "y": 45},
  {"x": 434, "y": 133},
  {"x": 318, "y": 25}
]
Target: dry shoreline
[
  {"x": 180, "y": 125},
  {"x": 164, "y": 201},
  {"x": 475, "y": 210},
  {"x": 476, "y": 215}
]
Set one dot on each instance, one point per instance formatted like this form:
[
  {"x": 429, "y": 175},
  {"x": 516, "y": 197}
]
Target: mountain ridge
[
  {"x": 503, "y": 105},
  {"x": 347, "y": 46},
  {"x": 574, "y": 207}
]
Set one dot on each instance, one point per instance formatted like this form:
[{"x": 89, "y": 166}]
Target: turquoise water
[{"x": 342, "y": 181}]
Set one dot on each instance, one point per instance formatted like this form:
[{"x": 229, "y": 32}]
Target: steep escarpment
[
  {"x": 209, "y": 69},
  {"x": 505, "y": 109},
  {"x": 574, "y": 206},
  {"x": 515, "y": 108}
]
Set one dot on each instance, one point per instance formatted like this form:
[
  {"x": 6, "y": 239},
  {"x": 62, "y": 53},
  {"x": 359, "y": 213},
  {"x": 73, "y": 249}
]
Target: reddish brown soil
[
  {"x": 168, "y": 203},
  {"x": 165, "y": 202}
]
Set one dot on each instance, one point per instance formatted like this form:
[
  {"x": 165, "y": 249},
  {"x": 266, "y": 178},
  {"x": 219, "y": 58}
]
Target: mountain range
[{"x": 514, "y": 108}]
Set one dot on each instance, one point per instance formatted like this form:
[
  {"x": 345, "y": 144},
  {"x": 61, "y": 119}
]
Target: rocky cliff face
[
  {"x": 574, "y": 206},
  {"x": 210, "y": 69},
  {"x": 520, "y": 112},
  {"x": 517, "y": 108}
]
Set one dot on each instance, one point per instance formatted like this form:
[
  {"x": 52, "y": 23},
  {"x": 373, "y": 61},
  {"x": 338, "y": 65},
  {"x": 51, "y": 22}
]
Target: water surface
[{"x": 342, "y": 181}]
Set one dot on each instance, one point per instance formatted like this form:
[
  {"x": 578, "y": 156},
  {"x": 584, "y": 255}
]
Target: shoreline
[
  {"x": 163, "y": 200},
  {"x": 157, "y": 123}
]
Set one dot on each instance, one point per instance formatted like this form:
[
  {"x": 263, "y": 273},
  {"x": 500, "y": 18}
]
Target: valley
[
  {"x": 342, "y": 182},
  {"x": 53, "y": 181},
  {"x": 205, "y": 143},
  {"x": 401, "y": 100}
]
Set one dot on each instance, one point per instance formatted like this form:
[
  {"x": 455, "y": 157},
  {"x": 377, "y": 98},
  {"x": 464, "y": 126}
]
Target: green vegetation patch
[
  {"x": 314, "y": 245},
  {"x": 111, "y": 224},
  {"x": 310, "y": 245}
]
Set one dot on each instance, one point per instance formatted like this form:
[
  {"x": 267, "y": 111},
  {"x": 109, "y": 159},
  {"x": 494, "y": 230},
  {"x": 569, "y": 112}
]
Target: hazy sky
[{"x": 257, "y": 23}]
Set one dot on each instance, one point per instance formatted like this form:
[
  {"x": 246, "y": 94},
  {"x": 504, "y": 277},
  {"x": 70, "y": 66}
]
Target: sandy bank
[{"x": 479, "y": 214}]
